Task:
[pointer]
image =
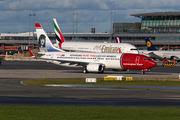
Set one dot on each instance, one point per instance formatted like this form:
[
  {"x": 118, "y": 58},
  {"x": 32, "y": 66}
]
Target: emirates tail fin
[{"x": 59, "y": 36}]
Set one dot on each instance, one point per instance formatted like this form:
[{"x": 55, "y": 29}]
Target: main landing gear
[
  {"x": 143, "y": 72},
  {"x": 85, "y": 71}
]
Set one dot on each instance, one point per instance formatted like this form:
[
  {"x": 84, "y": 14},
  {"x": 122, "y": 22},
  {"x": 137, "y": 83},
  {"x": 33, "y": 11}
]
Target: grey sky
[{"x": 91, "y": 13}]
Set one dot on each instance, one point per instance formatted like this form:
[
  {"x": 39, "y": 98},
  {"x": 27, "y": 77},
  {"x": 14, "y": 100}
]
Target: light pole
[
  {"x": 29, "y": 24},
  {"x": 111, "y": 27},
  {"x": 33, "y": 25},
  {"x": 73, "y": 25},
  {"x": 76, "y": 24}
]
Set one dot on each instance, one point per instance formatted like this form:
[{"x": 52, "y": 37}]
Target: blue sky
[{"x": 91, "y": 13}]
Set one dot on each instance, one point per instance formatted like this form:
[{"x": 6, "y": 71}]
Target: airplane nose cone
[{"x": 153, "y": 64}]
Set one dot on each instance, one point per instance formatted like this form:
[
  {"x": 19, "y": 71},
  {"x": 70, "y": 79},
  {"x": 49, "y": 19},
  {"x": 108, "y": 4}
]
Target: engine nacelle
[{"x": 95, "y": 68}]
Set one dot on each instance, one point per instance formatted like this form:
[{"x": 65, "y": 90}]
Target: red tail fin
[{"x": 117, "y": 40}]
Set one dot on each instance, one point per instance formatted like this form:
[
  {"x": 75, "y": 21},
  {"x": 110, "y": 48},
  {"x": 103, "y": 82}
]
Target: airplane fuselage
[
  {"x": 110, "y": 61},
  {"x": 98, "y": 47}
]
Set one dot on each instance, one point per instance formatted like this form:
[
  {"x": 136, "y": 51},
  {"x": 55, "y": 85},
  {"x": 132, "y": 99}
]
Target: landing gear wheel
[
  {"x": 101, "y": 71},
  {"x": 85, "y": 71},
  {"x": 143, "y": 72}
]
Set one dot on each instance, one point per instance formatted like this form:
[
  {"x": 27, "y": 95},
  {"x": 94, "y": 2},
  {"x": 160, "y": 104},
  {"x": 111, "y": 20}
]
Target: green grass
[
  {"x": 173, "y": 82},
  {"x": 12, "y": 112}
]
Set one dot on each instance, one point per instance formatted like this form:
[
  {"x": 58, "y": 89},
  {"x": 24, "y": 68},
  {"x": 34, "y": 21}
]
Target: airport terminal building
[{"x": 163, "y": 28}]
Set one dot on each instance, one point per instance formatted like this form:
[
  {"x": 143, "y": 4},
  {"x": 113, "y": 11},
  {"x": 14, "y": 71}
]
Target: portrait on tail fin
[
  {"x": 42, "y": 41},
  {"x": 45, "y": 44}
]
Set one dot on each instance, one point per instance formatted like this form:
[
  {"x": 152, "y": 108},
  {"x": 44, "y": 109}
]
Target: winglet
[
  {"x": 117, "y": 40},
  {"x": 150, "y": 46},
  {"x": 31, "y": 53}
]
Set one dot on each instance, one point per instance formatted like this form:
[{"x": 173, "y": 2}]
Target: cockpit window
[
  {"x": 134, "y": 49},
  {"x": 146, "y": 59}
]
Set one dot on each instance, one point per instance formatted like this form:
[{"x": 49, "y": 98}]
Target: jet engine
[{"x": 95, "y": 68}]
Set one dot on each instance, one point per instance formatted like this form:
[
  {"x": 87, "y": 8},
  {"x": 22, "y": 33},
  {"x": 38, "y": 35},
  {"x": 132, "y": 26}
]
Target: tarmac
[
  {"x": 14, "y": 93},
  {"x": 41, "y": 69}
]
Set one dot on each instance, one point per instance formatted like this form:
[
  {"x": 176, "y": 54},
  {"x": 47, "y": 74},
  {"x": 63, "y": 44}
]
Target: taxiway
[{"x": 13, "y": 93}]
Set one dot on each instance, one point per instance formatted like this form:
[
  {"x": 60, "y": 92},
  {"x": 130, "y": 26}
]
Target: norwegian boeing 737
[
  {"x": 91, "y": 46},
  {"x": 91, "y": 62}
]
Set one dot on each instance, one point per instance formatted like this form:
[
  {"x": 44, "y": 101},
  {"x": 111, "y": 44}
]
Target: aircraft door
[
  {"x": 137, "y": 61},
  {"x": 75, "y": 47},
  {"x": 52, "y": 56}
]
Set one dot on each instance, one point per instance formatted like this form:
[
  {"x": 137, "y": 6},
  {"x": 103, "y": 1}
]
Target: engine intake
[{"x": 95, "y": 68}]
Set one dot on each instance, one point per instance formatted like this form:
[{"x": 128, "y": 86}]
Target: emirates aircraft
[
  {"x": 91, "y": 46},
  {"x": 91, "y": 62}
]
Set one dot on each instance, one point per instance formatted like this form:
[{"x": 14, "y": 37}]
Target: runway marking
[
  {"x": 23, "y": 83},
  {"x": 39, "y": 73},
  {"x": 114, "y": 86}
]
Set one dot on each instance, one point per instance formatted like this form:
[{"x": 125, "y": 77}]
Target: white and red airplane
[
  {"x": 91, "y": 46},
  {"x": 91, "y": 62}
]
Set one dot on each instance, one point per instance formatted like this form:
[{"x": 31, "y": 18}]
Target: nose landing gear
[{"x": 143, "y": 71}]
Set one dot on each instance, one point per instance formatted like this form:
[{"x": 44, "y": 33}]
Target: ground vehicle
[{"x": 169, "y": 63}]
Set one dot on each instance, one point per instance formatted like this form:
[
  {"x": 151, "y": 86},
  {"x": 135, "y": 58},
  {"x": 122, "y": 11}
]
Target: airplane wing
[
  {"x": 153, "y": 55},
  {"x": 31, "y": 53},
  {"x": 176, "y": 58},
  {"x": 150, "y": 54},
  {"x": 74, "y": 63}
]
